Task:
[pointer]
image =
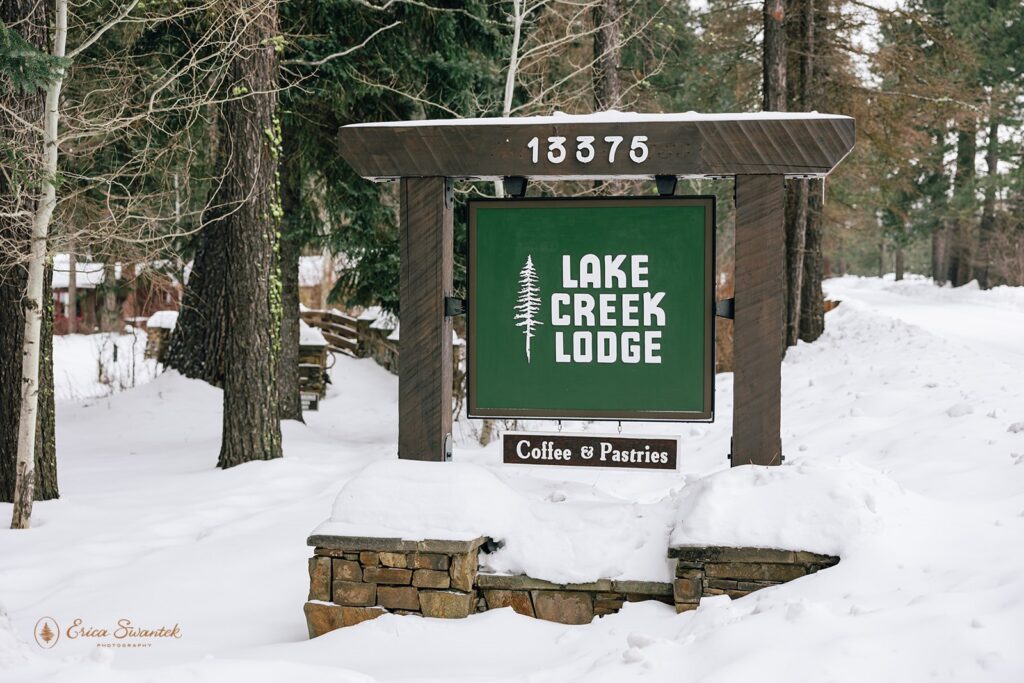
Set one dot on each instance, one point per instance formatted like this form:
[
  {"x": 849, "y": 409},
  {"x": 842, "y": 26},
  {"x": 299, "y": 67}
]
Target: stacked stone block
[
  {"x": 566, "y": 603},
  {"x": 354, "y": 579},
  {"x": 714, "y": 570}
]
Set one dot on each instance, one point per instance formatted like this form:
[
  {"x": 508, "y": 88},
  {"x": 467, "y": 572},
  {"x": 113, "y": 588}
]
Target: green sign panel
[{"x": 592, "y": 308}]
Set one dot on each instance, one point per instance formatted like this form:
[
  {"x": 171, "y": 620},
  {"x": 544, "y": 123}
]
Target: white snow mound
[
  {"x": 564, "y": 541},
  {"x": 804, "y": 506}
]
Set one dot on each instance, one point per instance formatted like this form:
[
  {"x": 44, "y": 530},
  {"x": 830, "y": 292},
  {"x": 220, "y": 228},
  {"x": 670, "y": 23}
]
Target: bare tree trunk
[
  {"x": 607, "y": 53},
  {"x": 797, "y": 215},
  {"x": 109, "y": 316},
  {"x": 252, "y": 430},
  {"x": 487, "y": 432},
  {"x": 988, "y": 211},
  {"x": 72, "y": 308},
  {"x": 510, "y": 75},
  {"x": 963, "y": 188},
  {"x": 289, "y": 397},
  {"x": 196, "y": 348},
  {"x": 881, "y": 259},
  {"x": 812, "y": 300},
  {"x": 773, "y": 57},
  {"x": 24, "y": 485},
  {"x": 46, "y": 418},
  {"x": 899, "y": 263},
  {"x": 938, "y": 256},
  {"x": 796, "y": 247}
]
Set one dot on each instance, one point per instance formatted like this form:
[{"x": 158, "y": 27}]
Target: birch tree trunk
[
  {"x": 510, "y": 77},
  {"x": 33, "y": 20},
  {"x": 24, "y": 484}
]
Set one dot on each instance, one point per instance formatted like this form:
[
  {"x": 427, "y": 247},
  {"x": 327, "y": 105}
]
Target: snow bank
[
  {"x": 310, "y": 336},
  {"x": 800, "y": 506},
  {"x": 554, "y": 539},
  {"x": 925, "y": 509},
  {"x": 94, "y": 365},
  {"x": 163, "y": 319}
]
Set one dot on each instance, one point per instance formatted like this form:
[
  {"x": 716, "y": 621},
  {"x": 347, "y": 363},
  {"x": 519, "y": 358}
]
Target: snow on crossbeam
[{"x": 601, "y": 145}]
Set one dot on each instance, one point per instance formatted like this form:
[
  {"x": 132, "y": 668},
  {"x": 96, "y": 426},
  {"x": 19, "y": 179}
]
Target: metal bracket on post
[
  {"x": 666, "y": 184},
  {"x": 454, "y": 306},
  {"x": 515, "y": 186},
  {"x": 726, "y": 308},
  {"x": 449, "y": 193}
]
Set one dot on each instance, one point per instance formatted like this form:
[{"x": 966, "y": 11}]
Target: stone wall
[
  {"x": 715, "y": 570},
  {"x": 566, "y": 603},
  {"x": 353, "y": 579}
]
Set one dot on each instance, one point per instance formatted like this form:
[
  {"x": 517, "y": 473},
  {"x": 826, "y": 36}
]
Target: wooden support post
[
  {"x": 425, "y": 336},
  {"x": 758, "y": 334}
]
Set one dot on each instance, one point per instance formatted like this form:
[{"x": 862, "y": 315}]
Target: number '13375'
[{"x": 586, "y": 150}]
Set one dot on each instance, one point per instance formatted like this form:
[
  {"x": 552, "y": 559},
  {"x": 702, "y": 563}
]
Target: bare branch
[{"x": 343, "y": 53}]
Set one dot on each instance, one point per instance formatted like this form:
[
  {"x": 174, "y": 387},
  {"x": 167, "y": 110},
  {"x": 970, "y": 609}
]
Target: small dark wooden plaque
[{"x": 592, "y": 450}]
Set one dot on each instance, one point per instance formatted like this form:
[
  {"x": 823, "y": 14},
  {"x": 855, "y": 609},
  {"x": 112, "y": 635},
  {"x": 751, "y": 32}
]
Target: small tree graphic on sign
[
  {"x": 46, "y": 633},
  {"x": 528, "y": 302}
]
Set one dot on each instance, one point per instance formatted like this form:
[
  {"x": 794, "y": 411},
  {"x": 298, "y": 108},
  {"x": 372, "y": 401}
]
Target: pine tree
[
  {"x": 46, "y": 633},
  {"x": 528, "y": 302}
]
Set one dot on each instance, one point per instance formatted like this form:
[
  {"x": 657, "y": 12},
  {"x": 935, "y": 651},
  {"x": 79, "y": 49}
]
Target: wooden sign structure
[{"x": 758, "y": 150}]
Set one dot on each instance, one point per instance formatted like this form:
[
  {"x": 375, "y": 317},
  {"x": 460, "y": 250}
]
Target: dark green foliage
[
  {"x": 437, "y": 62},
  {"x": 24, "y": 67}
]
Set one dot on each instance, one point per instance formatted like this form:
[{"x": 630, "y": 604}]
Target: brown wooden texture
[
  {"x": 425, "y": 343},
  {"x": 572, "y": 450},
  {"x": 340, "y": 330},
  {"x": 758, "y": 336},
  {"x": 793, "y": 144}
]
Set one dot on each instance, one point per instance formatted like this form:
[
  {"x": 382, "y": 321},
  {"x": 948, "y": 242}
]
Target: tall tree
[
  {"x": 607, "y": 16},
  {"x": 987, "y": 226},
  {"x": 808, "y": 270},
  {"x": 292, "y": 239},
  {"x": 964, "y": 202},
  {"x": 250, "y": 151},
  {"x": 35, "y": 197},
  {"x": 26, "y": 22},
  {"x": 773, "y": 89}
]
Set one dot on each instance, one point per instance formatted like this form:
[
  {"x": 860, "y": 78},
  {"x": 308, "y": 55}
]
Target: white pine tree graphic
[{"x": 528, "y": 302}]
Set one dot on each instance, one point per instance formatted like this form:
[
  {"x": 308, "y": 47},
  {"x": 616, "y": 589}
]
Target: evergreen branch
[{"x": 27, "y": 68}]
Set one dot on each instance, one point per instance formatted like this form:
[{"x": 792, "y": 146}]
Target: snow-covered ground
[
  {"x": 903, "y": 429},
  {"x": 96, "y": 365}
]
